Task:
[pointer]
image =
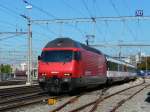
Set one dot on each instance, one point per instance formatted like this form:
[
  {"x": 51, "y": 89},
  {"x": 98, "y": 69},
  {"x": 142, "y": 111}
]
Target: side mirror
[{"x": 39, "y": 57}]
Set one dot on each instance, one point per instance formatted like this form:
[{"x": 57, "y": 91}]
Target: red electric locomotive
[{"x": 66, "y": 64}]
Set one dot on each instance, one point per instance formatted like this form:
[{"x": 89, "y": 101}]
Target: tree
[
  {"x": 5, "y": 68},
  {"x": 142, "y": 65}
]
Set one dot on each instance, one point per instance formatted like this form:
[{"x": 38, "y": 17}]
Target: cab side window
[{"x": 77, "y": 55}]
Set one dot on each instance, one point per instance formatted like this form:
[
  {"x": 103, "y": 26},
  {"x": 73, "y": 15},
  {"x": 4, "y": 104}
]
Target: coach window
[
  {"x": 125, "y": 68},
  {"x": 112, "y": 66},
  {"x": 121, "y": 68}
]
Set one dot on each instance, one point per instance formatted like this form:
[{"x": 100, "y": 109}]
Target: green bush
[{"x": 5, "y": 68}]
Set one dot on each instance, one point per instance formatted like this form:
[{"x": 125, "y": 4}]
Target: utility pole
[
  {"x": 29, "y": 80},
  {"x": 29, "y": 72},
  {"x": 120, "y": 47},
  {"x": 120, "y": 53},
  {"x": 146, "y": 65}
]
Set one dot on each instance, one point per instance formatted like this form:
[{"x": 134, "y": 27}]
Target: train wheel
[
  {"x": 109, "y": 81},
  {"x": 42, "y": 85}
]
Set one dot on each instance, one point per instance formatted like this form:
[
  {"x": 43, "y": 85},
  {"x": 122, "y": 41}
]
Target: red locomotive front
[{"x": 57, "y": 67}]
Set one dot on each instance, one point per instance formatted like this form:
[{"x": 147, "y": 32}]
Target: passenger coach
[{"x": 119, "y": 70}]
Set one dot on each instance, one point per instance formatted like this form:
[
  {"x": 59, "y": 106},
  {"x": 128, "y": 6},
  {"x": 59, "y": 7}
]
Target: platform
[{"x": 6, "y": 85}]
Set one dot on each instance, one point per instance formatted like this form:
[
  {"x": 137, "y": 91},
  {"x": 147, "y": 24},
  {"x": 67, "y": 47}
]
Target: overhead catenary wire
[
  {"x": 98, "y": 8},
  {"x": 77, "y": 28},
  {"x": 92, "y": 18},
  {"x": 40, "y": 9},
  {"x": 86, "y": 7},
  {"x": 13, "y": 36},
  {"x": 12, "y": 11},
  {"x": 94, "y": 7},
  {"x": 49, "y": 30},
  {"x": 114, "y": 7},
  {"x": 95, "y": 24},
  {"x": 118, "y": 13},
  {"x": 59, "y": 23},
  {"x": 99, "y": 14},
  {"x": 108, "y": 27},
  {"x": 40, "y": 34},
  {"x": 139, "y": 28},
  {"x": 10, "y": 45},
  {"x": 5, "y": 39},
  {"x": 71, "y": 7},
  {"x": 128, "y": 7},
  {"x": 8, "y": 25},
  {"x": 47, "y": 13}
]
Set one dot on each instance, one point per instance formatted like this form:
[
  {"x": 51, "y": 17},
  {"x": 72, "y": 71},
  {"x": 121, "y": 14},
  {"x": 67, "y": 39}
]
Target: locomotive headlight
[
  {"x": 43, "y": 74},
  {"x": 67, "y": 74}
]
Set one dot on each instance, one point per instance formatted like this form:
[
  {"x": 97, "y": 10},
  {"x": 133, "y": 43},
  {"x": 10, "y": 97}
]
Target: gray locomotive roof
[
  {"x": 62, "y": 42},
  {"x": 68, "y": 42}
]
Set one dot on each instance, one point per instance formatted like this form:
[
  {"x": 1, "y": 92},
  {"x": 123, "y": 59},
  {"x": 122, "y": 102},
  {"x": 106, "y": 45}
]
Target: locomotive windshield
[{"x": 57, "y": 56}]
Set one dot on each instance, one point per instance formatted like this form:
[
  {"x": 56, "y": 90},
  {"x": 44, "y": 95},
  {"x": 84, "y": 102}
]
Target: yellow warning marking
[{"x": 52, "y": 101}]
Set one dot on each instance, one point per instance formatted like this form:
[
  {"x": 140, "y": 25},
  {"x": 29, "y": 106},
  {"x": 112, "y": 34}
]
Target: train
[{"x": 65, "y": 65}]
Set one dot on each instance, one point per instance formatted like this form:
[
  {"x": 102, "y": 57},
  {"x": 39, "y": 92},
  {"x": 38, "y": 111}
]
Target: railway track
[
  {"x": 27, "y": 97},
  {"x": 12, "y": 82},
  {"x": 20, "y": 96},
  {"x": 74, "y": 99},
  {"x": 22, "y": 101},
  {"x": 15, "y": 91},
  {"x": 120, "y": 103},
  {"x": 102, "y": 97},
  {"x": 66, "y": 103}
]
